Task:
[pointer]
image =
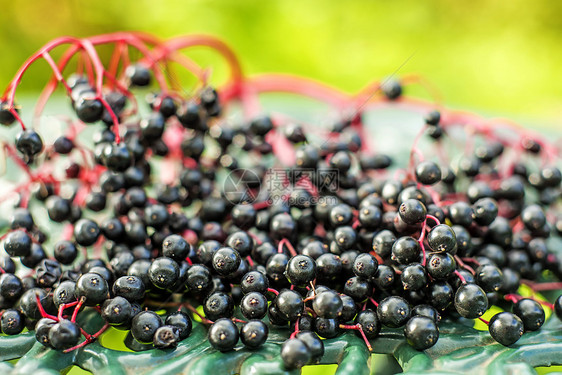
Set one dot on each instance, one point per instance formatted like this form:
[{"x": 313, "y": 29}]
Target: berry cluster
[{"x": 354, "y": 242}]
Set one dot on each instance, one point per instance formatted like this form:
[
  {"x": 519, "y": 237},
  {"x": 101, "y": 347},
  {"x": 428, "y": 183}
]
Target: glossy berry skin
[
  {"x": 406, "y": 250},
  {"x": 326, "y": 328},
  {"x": 218, "y": 305},
  {"x": 370, "y": 323},
  {"x": 64, "y": 293},
  {"x": 254, "y": 334},
  {"x": 64, "y": 335},
  {"x": 198, "y": 278},
  {"x": 88, "y": 109},
  {"x": 226, "y": 261},
  {"x": 29, "y": 143},
  {"x": 11, "y": 286},
  {"x": 300, "y": 270},
  {"x": 484, "y": 211},
  {"x": 86, "y": 232},
  {"x": 253, "y": 305},
  {"x": 327, "y": 304},
  {"x": 314, "y": 344},
  {"x": 441, "y": 265},
  {"x": 440, "y": 294},
  {"x": 28, "y": 302},
  {"x": 442, "y": 238},
  {"x": 12, "y": 322},
  {"x": 460, "y": 213},
  {"x": 166, "y": 337},
  {"x": 116, "y": 311},
  {"x": 175, "y": 247},
  {"x": 139, "y": 75},
  {"x": 384, "y": 278},
  {"x": 241, "y": 242},
  {"x": 117, "y": 157},
  {"x": 412, "y": 211},
  {"x": 393, "y": 311},
  {"x": 533, "y": 217},
  {"x": 530, "y": 312},
  {"x": 282, "y": 226},
  {"x": 289, "y": 304},
  {"x": 489, "y": 277},
  {"x": 357, "y": 288},
  {"x": 144, "y": 326},
  {"x": 65, "y": 252},
  {"x": 295, "y": 354},
  {"x": 382, "y": 243},
  {"x": 163, "y": 272},
  {"x": 421, "y": 332},
  {"x": 17, "y": 244},
  {"x": 254, "y": 281},
  {"x": 93, "y": 287},
  {"x": 506, "y": 328},
  {"x": 345, "y": 237},
  {"x": 223, "y": 335},
  {"x": 413, "y": 277},
  {"x": 182, "y": 322},
  {"x": 365, "y": 266},
  {"x": 471, "y": 301},
  {"x": 349, "y": 309},
  {"x": 370, "y": 217},
  {"x": 130, "y": 287},
  {"x": 428, "y": 311},
  {"x": 57, "y": 208},
  {"x": 428, "y": 173},
  {"x": 42, "y": 329}
]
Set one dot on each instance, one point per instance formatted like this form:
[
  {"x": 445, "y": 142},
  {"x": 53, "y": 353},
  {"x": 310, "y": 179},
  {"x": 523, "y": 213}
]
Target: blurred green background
[{"x": 497, "y": 57}]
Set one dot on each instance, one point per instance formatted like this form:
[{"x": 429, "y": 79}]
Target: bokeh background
[{"x": 496, "y": 57}]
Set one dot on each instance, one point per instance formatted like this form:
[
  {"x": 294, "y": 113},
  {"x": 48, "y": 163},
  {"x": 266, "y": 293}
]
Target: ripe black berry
[
  {"x": 253, "y": 305},
  {"x": 327, "y": 304},
  {"x": 182, "y": 322},
  {"x": 300, "y": 270},
  {"x": 86, "y": 232},
  {"x": 428, "y": 173},
  {"x": 254, "y": 334},
  {"x": 295, "y": 354},
  {"x": 93, "y": 287},
  {"x": 116, "y": 311},
  {"x": 369, "y": 321},
  {"x": 29, "y": 143},
  {"x": 64, "y": 335},
  {"x": 406, "y": 250},
  {"x": 442, "y": 238},
  {"x": 393, "y": 311},
  {"x": 223, "y": 335},
  {"x": 289, "y": 304},
  {"x": 506, "y": 328},
  {"x": 489, "y": 277},
  {"x": 17, "y": 244},
  {"x": 12, "y": 322},
  {"x": 163, "y": 272},
  {"x": 421, "y": 332},
  {"x": 226, "y": 261},
  {"x": 471, "y": 301},
  {"x": 144, "y": 326},
  {"x": 413, "y": 277},
  {"x": 412, "y": 211},
  {"x": 530, "y": 312}
]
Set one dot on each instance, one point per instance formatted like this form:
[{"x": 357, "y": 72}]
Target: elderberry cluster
[{"x": 377, "y": 247}]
